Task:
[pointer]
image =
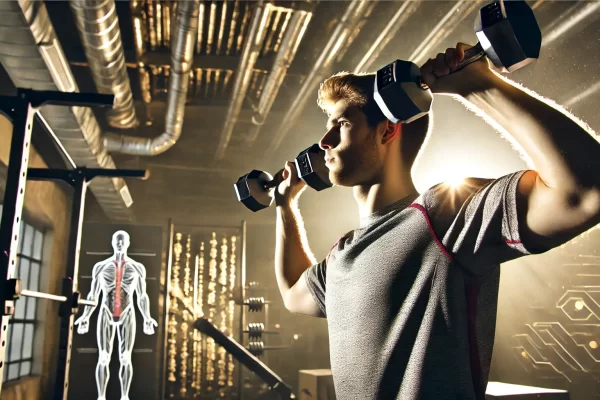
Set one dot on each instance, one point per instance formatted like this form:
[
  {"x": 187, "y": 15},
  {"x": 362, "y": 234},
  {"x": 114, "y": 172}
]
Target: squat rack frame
[{"x": 21, "y": 110}]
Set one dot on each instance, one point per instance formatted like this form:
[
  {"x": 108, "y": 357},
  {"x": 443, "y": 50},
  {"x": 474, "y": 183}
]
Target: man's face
[{"x": 350, "y": 146}]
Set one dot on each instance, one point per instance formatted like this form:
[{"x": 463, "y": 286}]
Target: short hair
[{"x": 357, "y": 90}]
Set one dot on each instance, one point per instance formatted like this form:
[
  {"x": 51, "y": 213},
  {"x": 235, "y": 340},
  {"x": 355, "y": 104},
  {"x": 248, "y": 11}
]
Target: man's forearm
[
  {"x": 292, "y": 253},
  {"x": 565, "y": 154}
]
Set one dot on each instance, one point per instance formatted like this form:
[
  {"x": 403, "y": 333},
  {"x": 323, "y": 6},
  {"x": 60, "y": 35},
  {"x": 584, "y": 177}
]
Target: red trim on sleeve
[
  {"x": 512, "y": 241},
  {"x": 437, "y": 240},
  {"x": 334, "y": 246}
]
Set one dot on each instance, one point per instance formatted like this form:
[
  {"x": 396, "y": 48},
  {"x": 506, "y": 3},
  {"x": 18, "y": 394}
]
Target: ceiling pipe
[
  {"x": 568, "y": 20},
  {"x": 243, "y": 75},
  {"x": 182, "y": 52},
  {"x": 98, "y": 26},
  {"x": 443, "y": 29},
  {"x": 406, "y": 10},
  {"x": 286, "y": 54},
  {"x": 33, "y": 58},
  {"x": 356, "y": 10}
]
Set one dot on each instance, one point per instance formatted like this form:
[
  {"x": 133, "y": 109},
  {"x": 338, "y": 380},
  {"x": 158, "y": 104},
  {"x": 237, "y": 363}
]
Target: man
[
  {"x": 410, "y": 296},
  {"x": 117, "y": 278}
]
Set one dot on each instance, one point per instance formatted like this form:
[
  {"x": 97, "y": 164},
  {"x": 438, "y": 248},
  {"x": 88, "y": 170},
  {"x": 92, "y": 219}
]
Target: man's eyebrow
[{"x": 331, "y": 119}]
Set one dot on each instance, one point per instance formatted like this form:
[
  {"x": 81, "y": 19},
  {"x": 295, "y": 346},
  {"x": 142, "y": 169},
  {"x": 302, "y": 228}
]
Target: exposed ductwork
[
  {"x": 356, "y": 12},
  {"x": 461, "y": 10},
  {"x": 406, "y": 10},
  {"x": 289, "y": 45},
  {"x": 32, "y": 56},
  {"x": 243, "y": 75},
  {"x": 184, "y": 33},
  {"x": 98, "y": 27}
]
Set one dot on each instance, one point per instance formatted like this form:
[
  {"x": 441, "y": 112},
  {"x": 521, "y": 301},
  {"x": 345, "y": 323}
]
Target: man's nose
[{"x": 329, "y": 141}]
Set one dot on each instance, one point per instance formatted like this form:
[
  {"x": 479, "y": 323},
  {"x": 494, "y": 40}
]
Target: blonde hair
[{"x": 357, "y": 90}]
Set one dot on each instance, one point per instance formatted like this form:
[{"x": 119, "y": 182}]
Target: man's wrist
[{"x": 288, "y": 208}]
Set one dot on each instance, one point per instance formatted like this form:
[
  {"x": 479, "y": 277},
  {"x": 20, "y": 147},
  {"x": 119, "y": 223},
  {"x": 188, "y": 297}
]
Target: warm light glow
[
  {"x": 594, "y": 344},
  {"x": 296, "y": 337},
  {"x": 579, "y": 305},
  {"x": 454, "y": 181},
  {"x": 277, "y": 326},
  {"x": 523, "y": 354}
]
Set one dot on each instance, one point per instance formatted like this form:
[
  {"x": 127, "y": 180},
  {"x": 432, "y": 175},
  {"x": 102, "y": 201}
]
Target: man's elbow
[
  {"x": 590, "y": 204},
  {"x": 288, "y": 300}
]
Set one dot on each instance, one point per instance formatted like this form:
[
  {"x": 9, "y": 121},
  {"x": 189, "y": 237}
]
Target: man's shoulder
[{"x": 447, "y": 199}]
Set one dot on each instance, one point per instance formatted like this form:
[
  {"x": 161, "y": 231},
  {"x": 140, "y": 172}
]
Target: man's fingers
[
  {"x": 427, "y": 74},
  {"x": 451, "y": 58},
  {"x": 290, "y": 167},
  {"x": 441, "y": 67}
]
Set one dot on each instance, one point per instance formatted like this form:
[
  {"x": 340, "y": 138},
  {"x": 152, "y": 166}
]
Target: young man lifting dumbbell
[{"x": 410, "y": 296}]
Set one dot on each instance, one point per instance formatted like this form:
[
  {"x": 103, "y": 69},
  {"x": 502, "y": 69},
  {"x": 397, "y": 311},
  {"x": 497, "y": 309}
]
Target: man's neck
[
  {"x": 390, "y": 189},
  {"x": 120, "y": 256}
]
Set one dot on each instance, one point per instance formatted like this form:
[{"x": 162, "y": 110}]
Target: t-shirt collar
[{"x": 394, "y": 207}]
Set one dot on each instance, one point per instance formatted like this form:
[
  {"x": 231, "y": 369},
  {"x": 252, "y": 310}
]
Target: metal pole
[
  {"x": 69, "y": 287},
  {"x": 53, "y": 297},
  {"x": 21, "y": 113},
  {"x": 167, "y": 307},
  {"x": 267, "y": 327},
  {"x": 242, "y": 309}
]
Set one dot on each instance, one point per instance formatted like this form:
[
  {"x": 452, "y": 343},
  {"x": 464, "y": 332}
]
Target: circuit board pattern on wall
[{"x": 568, "y": 347}]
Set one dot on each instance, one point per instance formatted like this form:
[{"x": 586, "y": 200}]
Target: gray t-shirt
[{"x": 411, "y": 296}]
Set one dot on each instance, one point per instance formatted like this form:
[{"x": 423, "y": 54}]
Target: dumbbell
[
  {"x": 255, "y": 190},
  {"x": 508, "y": 35},
  {"x": 258, "y": 348}
]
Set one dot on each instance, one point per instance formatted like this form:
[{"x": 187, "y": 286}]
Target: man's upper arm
[
  {"x": 548, "y": 217},
  {"x": 307, "y": 295},
  {"x": 479, "y": 222}
]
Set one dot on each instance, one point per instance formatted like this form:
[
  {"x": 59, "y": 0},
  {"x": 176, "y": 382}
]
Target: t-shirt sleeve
[
  {"x": 315, "y": 280},
  {"x": 478, "y": 222}
]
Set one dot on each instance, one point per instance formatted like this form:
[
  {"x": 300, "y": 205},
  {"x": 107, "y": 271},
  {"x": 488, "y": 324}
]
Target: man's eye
[{"x": 344, "y": 123}]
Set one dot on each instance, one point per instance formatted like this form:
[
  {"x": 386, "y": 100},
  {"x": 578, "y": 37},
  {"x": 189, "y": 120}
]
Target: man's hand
[
  {"x": 441, "y": 76},
  {"x": 149, "y": 325},
  {"x": 84, "y": 325},
  {"x": 291, "y": 187}
]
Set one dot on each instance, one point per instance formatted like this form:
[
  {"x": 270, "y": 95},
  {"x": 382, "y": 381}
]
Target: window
[{"x": 21, "y": 329}]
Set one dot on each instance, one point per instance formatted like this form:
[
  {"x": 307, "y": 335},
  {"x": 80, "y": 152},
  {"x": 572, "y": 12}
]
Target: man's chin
[{"x": 340, "y": 179}]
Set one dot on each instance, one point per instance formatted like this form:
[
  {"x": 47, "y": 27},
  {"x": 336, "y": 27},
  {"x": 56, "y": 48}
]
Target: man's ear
[{"x": 392, "y": 131}]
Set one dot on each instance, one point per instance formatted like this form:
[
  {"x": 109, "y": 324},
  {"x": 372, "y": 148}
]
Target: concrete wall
[{"x": 47, "y": 205}]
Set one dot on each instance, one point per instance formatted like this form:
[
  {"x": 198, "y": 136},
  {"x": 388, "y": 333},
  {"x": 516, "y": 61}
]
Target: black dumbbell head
[
  {"x": 311, "y": 167},
  {"x": 250, "y": 190},
  {"x": 399, "y": 94},
  {"x": 509, "y": 34}
]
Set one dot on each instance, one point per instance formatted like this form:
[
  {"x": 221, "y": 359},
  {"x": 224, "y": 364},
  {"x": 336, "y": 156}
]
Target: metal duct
[
  {"x": 574, "y": 17},
  {"x": 289, "y": 45},
  {"x": 32, "y": 56},
  {"x": 243, "y": 76},
  {"x": 447, "y": 25},
  {"x": 356, "y": 11},
  {"x": 406, "y": 10},
  {"x": 98, "y": 27},
  {"x": 182, "y": 51}
]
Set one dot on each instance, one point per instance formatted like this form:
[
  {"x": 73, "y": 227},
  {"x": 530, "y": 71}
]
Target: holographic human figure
[{"x": 117, "y": 278}]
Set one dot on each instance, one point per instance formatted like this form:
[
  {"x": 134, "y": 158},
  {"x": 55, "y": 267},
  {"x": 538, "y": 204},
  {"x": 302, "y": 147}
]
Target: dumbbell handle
[
  {"x": 273, "y": 183},
  {"x": 472, "y": 54}
]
